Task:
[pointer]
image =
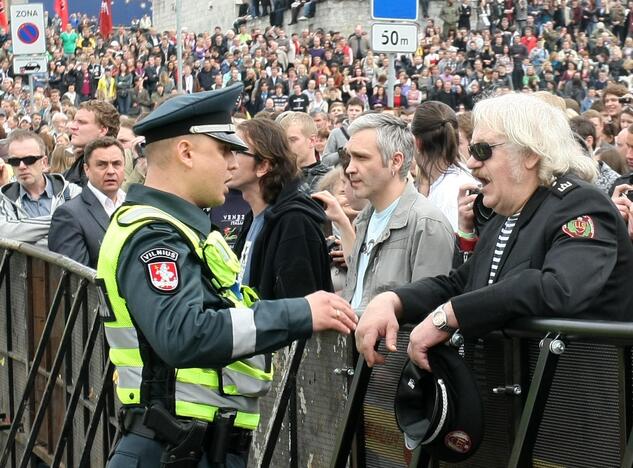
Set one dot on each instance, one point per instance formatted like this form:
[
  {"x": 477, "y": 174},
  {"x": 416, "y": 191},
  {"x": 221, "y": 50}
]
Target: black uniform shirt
[{"x": 177, "y": 311}]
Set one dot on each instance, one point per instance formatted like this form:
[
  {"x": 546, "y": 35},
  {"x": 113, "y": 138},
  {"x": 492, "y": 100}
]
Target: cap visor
[
  {"x": 231, "y": 139},
  {"x": 411, "y": 442}
]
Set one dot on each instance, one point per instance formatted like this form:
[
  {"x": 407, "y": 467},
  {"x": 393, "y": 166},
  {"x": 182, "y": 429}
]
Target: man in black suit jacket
[
  {"x": 151, "y": 75},
  {"x": 77, "y": 230}
]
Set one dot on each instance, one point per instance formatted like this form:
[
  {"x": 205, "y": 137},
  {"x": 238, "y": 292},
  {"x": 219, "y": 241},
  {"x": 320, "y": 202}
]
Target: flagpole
[{"x": 179, "y": 44}]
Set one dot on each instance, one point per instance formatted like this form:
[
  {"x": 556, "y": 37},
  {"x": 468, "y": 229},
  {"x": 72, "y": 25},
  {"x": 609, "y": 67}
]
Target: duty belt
[{"x": 238, "y": 441}]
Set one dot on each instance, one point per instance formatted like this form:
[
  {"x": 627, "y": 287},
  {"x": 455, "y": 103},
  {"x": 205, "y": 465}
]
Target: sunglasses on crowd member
[
  {"x": 246, "y": 153},
  {"x": 482, "y": 151},
  {"x": 27, "y": 160}
]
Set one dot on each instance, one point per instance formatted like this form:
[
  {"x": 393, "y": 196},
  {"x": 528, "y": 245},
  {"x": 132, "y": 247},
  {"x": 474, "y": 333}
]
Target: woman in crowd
[
  {"x": 626, "y": 117},
  {"x": 414, "y": 96},
  {"x": 370, "y": 69},
  {"x": 158, "y": 95},
  {"x": 379, "y": 98},
  {"x": 441, "y": 171},
  {"x": 140, "y": 101},
  {"x": 358, "y": 80},
  {"x": 318, "y": 104},
  {"x": 438, "y": 87},
  {"x": 167, "y": 82},
  {"x": 333, "y": 194},
  {"x": 124, "y": 84}
]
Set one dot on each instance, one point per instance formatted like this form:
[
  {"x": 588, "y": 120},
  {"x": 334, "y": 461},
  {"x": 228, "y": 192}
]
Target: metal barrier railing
[
  {"x": 55, "y": 373},
  {"x": 56, "y": 401},
  {"x": 555, "y": 336}
]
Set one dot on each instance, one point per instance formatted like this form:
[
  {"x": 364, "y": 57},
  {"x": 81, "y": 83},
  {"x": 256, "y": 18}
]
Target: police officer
[
  {"x": 556, "y": 247},
  {"x": 186, "y": 339}
]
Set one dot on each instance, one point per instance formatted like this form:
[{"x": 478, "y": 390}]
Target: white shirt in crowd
[
  {"x": 445, "y": 189},
  {"x": 108, "y": 205}
]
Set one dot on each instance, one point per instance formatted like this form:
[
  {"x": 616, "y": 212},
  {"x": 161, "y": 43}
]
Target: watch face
[{"x": 437, "y": 318}]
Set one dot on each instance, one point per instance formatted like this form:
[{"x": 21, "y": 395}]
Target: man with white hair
[{"x": 556, "y": 246}]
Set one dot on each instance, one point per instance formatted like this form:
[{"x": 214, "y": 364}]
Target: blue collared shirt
[{"x": 41, "y": 206}]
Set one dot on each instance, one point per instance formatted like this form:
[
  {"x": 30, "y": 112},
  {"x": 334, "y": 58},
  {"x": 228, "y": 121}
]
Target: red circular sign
[{"x": 28, "y": 33}]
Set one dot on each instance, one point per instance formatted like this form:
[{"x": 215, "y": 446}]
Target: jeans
[
  {"x": 123, "y": 104},
  {"x": 134, "y": 451}
]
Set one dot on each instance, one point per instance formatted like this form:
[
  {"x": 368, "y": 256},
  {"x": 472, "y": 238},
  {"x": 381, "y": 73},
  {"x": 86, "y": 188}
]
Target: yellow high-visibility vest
[{"x": 197, "y": 392}]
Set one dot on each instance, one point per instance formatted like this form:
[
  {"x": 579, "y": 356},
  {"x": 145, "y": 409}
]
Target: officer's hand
[
  {"x": 465, "y": 201},
  {"x": 331, "y": 312},
  {"x": 622, "y": 202},
  {"x": 378, "y": 321},
  {"x": 423, "y": 337}
]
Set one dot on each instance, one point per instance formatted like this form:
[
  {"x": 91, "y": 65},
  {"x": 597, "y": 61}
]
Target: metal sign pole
[
  {"x": 391, "y": 78},
  {"x": 396, "y": 32},
  {"x": 179, "y": 44}
]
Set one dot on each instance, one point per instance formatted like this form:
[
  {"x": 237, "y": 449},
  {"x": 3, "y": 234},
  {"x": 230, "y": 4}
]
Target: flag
[
  {"x": 61, "y": 8},
  {"x": 3, "y": 16},
  {"x": 105, "y": 18}
]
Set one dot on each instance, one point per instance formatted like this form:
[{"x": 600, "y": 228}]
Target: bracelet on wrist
[{"x": 466, "y": 235}]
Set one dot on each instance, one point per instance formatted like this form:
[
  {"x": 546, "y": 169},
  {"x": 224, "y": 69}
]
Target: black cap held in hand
[{"x": 441, "y": 410}]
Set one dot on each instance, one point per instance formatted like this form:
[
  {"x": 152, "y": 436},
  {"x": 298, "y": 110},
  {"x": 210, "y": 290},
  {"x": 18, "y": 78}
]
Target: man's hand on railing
[
  {"x": 426, "y": 335},
  {"x": 379, "y": 320}
]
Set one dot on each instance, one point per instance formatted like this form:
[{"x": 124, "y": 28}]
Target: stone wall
[
  {"x": 197, "y": 15},
  {"x": 331, "y": 15}
]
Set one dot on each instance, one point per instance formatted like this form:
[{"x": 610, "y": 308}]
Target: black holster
[
  {"x": 183, "y": 440},
  {"x": 218, "y": 437}
]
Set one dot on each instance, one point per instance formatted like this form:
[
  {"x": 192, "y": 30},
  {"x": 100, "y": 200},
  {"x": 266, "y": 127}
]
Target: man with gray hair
[
  {"x": 400, "y": 235},
  {"x": 27, "y": 204},
  {"x": 556, "y": 246}
]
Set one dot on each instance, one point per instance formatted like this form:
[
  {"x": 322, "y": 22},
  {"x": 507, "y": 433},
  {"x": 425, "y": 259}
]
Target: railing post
[
  {"x": 352, "y": 414},
  {"x": 281, "y": 404},
  {"x": 535, "y": 402},
  {"x": 627, "y": 401}
]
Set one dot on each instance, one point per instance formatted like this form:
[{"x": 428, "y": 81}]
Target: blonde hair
[
  {"x": 536, "y": 128},
  {"x": 551, "y": 99},
  {"x": 301, "y": 119}
]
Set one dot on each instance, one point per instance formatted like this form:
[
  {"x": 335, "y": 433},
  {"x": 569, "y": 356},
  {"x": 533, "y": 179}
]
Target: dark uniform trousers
[{"x": 135, "y": 451}]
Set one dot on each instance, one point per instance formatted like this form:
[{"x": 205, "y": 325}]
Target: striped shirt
[{"x": 502, "y": 241}]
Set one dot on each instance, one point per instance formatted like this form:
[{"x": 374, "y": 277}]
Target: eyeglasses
[
  {"x": 482, "y": 151},
  {"x": 27, "y": 160},
  {"x": 246, "y": 153}
]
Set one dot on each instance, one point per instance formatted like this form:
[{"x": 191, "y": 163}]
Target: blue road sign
[
  {"x": 28, "y": 33},
  {"x": 395, "y": 10}
]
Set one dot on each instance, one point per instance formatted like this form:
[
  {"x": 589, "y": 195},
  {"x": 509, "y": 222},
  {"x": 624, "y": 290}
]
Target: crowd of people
[{"x": 519, "y": 107}]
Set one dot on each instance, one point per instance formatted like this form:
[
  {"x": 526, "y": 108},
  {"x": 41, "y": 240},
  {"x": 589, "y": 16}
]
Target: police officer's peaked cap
[
  {"x": 441, "y": 410},
  {"x": 207, "y": 112}
]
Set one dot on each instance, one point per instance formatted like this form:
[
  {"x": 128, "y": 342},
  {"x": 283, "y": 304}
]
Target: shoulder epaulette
[{"x": 563, "y": 185}]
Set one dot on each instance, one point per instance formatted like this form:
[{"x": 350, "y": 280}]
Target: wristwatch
[{"x": 439, "y": 319}]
